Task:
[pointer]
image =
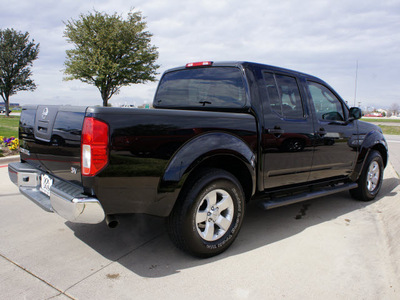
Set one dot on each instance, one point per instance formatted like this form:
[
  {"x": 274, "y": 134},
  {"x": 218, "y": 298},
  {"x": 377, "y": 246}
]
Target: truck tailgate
[{"x": 50, "y": 138}]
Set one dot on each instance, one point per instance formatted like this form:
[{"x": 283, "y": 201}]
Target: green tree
[
  {"x": 395, "y": 108},
  {"x": 110, "y": 52},
  {"x": 17, "y": 54}
]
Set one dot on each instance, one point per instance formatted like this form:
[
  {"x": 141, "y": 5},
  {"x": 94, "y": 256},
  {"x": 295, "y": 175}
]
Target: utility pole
[{"x": 355, "y": 88}]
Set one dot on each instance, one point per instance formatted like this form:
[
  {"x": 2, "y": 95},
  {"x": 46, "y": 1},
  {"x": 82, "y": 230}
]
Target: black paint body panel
[{"x": 153, "y": 151}]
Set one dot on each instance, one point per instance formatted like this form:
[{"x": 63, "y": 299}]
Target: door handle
[
  {"x": 277, "y": 131},
  {"x": 321, "y": 132}
]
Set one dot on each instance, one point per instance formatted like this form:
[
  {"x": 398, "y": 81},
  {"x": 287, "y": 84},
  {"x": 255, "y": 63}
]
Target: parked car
[{"x": 3, "y": 110}]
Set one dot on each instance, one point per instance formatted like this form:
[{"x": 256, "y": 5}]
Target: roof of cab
[{"x": 244, "y": 64}]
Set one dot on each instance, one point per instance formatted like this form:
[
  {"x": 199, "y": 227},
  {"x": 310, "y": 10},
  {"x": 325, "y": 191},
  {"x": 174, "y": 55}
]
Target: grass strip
[
  {"x": 9, "y": 126},
  {"x": 393, "y": 130},
  {"x": 381, "y": 120}
]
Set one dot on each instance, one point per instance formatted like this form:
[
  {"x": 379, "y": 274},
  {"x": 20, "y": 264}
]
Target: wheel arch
[
  {"x": 217, "y": 150},
  {"x": 383, "y": 151},
  {"x": 374, "y": 140},
  {"x": 230, "y": 163}
]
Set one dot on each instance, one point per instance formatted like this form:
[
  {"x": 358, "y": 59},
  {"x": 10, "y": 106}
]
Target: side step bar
[{"x": 277, "y": 202}]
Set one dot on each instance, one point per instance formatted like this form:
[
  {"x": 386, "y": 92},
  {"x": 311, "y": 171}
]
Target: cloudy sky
[{"x": 322, "y": 38}]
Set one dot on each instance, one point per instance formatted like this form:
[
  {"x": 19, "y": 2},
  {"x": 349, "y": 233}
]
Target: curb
[
  {"x": 8, "y": 159},
  {"x": 397, "y": 173}
]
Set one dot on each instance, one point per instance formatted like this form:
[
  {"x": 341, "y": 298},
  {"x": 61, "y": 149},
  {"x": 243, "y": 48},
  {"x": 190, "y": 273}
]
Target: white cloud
[{"x": 323, "y": 38}]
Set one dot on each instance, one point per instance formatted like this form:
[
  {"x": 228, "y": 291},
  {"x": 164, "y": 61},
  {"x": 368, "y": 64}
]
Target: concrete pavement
[
  {"x": 328, "y": 248},
  {"x": 394, "y": 151}
]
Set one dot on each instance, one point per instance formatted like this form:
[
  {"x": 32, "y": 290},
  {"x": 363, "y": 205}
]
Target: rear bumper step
[
  {"x": 282, "y": 201},
  {"x": 66, "y": 199}
]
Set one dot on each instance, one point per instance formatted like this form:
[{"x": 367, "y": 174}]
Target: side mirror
[{"x": 355, "y": 113}]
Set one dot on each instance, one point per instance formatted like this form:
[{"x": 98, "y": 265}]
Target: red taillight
[
  {"x": 94, "y": 146},
  {"x": 199, "y": 64}
]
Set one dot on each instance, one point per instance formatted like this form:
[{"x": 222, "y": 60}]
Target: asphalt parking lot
[{"x": 328, "y": 248}]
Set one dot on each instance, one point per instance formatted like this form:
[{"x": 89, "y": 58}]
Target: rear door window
[
  {"x": 284, "y": 96},
  {"x": 215, "y": 87}
]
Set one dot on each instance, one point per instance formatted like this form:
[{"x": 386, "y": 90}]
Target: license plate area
[{"x": 45, "y": 184}]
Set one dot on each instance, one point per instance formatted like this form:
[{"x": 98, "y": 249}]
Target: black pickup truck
[{"x": 221, "y": 134}]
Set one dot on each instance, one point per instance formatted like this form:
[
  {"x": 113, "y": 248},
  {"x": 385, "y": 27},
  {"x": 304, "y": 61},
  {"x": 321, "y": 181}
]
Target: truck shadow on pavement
[{"x": 140, "y": 243}]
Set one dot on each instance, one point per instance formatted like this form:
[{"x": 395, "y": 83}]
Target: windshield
[{"x": 216, "y": 87}]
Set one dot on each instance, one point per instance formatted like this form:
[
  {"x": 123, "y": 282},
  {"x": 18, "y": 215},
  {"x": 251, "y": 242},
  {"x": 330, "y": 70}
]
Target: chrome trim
[
  {"x": 373, "y": 176},
  {"x": 214, "y": 215},
  {"x": 78, "y": 210},
  {"x": 65, "y": 198}
]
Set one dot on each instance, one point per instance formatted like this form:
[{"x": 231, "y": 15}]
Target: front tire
[
  {"x": 208, "y": 215},
  {"x": 370, "y": 180}
]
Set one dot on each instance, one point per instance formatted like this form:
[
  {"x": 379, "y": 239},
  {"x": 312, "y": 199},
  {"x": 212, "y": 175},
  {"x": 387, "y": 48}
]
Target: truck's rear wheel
[
  {"x": 208, "y": 215},
  {"x": 370, "y": 180}
]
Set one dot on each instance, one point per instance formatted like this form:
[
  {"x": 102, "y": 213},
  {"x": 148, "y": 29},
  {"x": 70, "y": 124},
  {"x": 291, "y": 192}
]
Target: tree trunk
[
  {"x": 104, "y": 95},
  {"x": 6, "y": 104}
]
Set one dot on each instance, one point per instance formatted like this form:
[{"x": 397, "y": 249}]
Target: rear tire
[
  {"x": 208, "y": 215},
  {"x": 370, "y": 180}
]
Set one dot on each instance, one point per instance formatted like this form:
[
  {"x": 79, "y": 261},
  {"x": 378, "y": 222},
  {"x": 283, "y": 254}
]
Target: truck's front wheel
[
  {"x": 208, "y": 215},
  {"x": 370, "y": 180}
]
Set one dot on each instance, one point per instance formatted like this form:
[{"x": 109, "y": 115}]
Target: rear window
[{"x": 216, "y": 87}]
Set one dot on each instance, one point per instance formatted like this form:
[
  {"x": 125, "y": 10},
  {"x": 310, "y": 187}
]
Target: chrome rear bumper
[{"x": 66, "y": 199}]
